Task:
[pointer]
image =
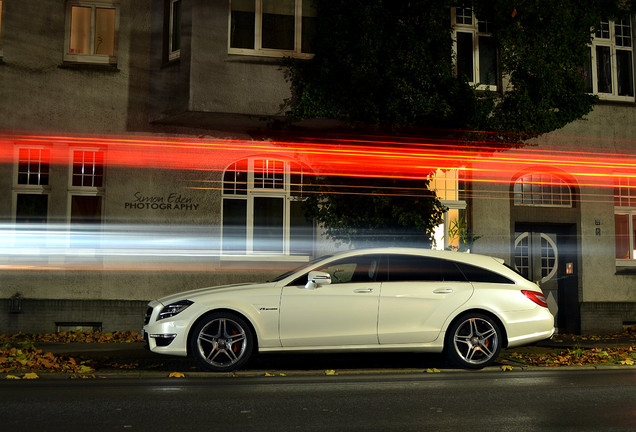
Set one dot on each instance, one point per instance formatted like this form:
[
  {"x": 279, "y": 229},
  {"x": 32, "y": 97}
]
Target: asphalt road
[{"x": 563, "y": 400}]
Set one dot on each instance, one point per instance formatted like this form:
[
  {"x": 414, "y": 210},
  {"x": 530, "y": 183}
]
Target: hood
[{"x": 193, "y": 294}]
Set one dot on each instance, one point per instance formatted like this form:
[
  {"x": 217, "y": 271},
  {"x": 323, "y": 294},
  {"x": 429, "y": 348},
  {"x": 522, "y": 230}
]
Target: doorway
[{"x": 547, "y": 255}]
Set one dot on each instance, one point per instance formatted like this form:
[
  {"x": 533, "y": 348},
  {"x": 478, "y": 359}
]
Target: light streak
[
  {"x": 481, "y": 162},
  {"x": 487, "y": 168}
]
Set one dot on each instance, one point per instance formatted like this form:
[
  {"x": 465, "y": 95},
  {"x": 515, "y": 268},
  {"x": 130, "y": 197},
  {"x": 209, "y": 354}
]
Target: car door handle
[
  {"x": 363, "y": 290},
  {"x": 443, "y": 291}
]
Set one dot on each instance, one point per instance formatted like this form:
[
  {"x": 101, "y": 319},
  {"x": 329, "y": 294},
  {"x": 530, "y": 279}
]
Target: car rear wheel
[
  {"x": 474, "y": 341},
  {"x": 222, "y": 342}
]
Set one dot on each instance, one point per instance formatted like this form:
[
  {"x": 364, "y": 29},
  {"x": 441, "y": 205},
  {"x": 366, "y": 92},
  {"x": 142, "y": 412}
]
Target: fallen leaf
[
  {"x": 506, "y": 368},
  {"x": 176, "y": 375},
  {"x": 30, "y": 375},
  {"x": 268, "y": 374},
  {"x": 433, "y": 370},
  {"x": 12, "y": 377},
  {"x": 331, "y": 372}
]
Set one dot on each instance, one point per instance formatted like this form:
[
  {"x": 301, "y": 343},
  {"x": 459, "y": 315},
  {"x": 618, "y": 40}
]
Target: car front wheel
[
  {"x": 222, "y": 342},
  {"x": 474, "y": 341}
]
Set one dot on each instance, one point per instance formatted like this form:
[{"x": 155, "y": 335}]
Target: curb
[{"x": 310, "y": 373}]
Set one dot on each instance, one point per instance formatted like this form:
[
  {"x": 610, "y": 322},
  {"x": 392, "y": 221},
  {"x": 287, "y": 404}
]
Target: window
[
  {"x": 88, "y": 168},
  {"x": 474, "y": 48},
  {"x": 479, "y": 275},
  {"x": 446, "y": 185},
  {"x": 0, "y": 28},
  {"x": 409, "y": 268},
  {"x": 86, "y": 186},
  {"x": 274, "y": 28},
  {"x": 91, "y": 32},
  {"x": 625, "y": 218},
  {"x": 359, "y": 269},
  {"x": 32, "y": 185},
  {"x": 610, "y": 73},
  {"x": 173, "y": 30},
  {"x": 542, "y": 190},
  {"x": 33, "y": 166},
  {"x": 262, "y": 208}
]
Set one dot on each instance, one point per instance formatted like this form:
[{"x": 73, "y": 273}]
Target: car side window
[
  {"x": 404, "y": 268},
  {"x": 478, "y": 274},
  {"x": 354, "y": 269},
  {"x": 366, "y": 268}
]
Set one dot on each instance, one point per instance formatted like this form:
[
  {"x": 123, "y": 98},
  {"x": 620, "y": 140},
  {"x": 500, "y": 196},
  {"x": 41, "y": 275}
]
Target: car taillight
[{"x": 536, "y": 297}]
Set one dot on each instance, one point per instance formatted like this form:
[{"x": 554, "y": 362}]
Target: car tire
[
  {"x": 473, "y": 341},
  {"x": 222, "y": 342}
]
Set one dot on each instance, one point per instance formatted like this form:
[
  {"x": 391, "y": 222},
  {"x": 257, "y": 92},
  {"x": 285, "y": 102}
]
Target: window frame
[
  {"x": 628, "y": 184},
  {"x": 27, "y": 188},
  {"x": 258, "y": 49},
  {"x": 91, "y": 58},
  {"x": 173, "y": 54},
  {"x": 72, "y": 176},
  {"x": 610, "y": 42},
  {"x": 81, "y": 190},
  {"x": 473, "y": 29},
  {"x": 552, "y": 181},
  {"x": 248, "y": 192},
  {"x": 1, "y": 49}
]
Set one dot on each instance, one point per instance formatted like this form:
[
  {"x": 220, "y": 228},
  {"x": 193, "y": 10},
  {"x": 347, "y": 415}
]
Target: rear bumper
[{"x": 529, "y": 327}]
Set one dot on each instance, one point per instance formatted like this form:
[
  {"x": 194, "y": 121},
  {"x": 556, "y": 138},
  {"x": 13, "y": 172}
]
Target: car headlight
[{"x": 174, "y": 309}]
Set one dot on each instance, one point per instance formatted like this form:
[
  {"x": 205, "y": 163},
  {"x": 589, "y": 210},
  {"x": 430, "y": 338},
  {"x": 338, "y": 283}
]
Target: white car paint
[{"x": 367, "y": 315}]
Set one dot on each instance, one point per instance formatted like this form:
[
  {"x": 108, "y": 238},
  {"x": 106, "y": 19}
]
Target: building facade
[{"x": 135, "y": 152}]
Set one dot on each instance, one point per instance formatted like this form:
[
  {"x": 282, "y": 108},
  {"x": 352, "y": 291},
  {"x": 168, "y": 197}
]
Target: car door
[
  {"x": 344, "y": 312},
  {"x": 419, "y": 295}
]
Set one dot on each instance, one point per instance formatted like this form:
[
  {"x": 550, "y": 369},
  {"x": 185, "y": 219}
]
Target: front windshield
[{"x": 291, "y": 272}]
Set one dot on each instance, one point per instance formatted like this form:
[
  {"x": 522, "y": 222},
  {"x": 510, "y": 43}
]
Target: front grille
[{"x": 148, "y": 315}]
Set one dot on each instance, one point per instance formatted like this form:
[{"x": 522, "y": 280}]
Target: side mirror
[{"x": 317, "y": 278}]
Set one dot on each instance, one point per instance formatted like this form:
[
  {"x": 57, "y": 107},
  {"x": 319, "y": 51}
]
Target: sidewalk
[{"x": 133, "y": 360}]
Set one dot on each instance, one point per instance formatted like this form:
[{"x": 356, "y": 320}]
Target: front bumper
[{"x": 168, "y": 336}]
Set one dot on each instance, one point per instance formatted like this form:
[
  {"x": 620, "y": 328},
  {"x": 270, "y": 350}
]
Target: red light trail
[{"x": 376, "y": 157}]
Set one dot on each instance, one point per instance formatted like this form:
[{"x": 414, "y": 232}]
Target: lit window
[
  {"x": 542, "y": 190},
  {"x": 610, "y": 72},
  {"x": 262, "y": 208},
  {"x": 274, "y": 28},
  {"x": 453, "y": 232},
  {"x": 625, "y": 218},
  {"x": 474, "y": 47},
  {"x": 33, "y": 166},
  {"x": 91, "y": 32},
  {"x": 88, "y": 168}
]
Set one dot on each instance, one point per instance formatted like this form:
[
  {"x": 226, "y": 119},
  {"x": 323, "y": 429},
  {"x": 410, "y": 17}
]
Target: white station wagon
[{"x": 395, "y": 299}]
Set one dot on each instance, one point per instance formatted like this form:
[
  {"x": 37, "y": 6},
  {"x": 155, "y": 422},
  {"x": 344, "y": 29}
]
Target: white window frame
[
  {"x": 173, "y": 54},
  {"x": 610, "y": 42},
  {"x": 78, "y": 190},
  {"x": 544, "y": 188},
  {"x": 269, "y": 52},
  {"x": 90, "y": 58},
  {"x": 71, "y": 165},
  {"x": 29, "y": 189},
  {"x": 27, "y": 186},
  {"x": 472, "y": 28},
  {"x": 626, "y": 184},
  {"x": 285, "y": 193}
]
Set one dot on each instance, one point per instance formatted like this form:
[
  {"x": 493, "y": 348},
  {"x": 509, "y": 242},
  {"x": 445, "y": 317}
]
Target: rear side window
[
  {"x": 404, "y": 268},
  {"x": 478, "y": 274}
]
